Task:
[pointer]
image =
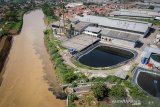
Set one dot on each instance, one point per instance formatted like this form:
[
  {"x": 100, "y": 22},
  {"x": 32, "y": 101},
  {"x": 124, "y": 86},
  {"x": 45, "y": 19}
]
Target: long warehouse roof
[
  {"x": 129, "y": 25},
  {"x": 120, "y": 35},
  {"x": 136, "y": 13}
]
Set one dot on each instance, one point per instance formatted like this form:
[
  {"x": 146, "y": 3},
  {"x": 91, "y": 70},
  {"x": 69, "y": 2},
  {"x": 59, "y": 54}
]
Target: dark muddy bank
[{"x": 5, "y": 45}]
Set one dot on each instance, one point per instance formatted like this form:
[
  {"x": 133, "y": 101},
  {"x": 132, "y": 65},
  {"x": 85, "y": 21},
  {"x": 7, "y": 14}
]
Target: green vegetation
[
  {"x": 117, "y": 91},
  {"x": 18, "y": 1},
  {"x": 71, "y": 99},
  {"x": 110, "y": 79},
  {"x": 65, "y": 73},
  {"x": 100, "y": 90},
  {"x": 90, "y": 100},
  {"x": 134, "y": 91},
  {"x": 49, "y": 14},
  {"x": 71, "y": 30},
  {"x": 74, "y": 84},
  {"x": 14, "y": 21},
  {"x": 82, "y": 78}
]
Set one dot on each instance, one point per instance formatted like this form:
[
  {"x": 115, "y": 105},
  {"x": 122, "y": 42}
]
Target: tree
[
  {"x": 74, "y": 84},
  {"x": 71, "y": 30},
  {"x": 100, "y": 90},
  {"x": 117, "y": 91},
  {"x": 70, "y": 76},
  {"x": 72, "y": 97},
  {"x": 47, "y": 10}
]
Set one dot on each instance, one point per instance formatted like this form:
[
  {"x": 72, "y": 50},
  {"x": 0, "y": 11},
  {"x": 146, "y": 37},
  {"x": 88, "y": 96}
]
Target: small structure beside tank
[
  {"x": 157, "y": 40},
  {"x": 145, "y": 57}
]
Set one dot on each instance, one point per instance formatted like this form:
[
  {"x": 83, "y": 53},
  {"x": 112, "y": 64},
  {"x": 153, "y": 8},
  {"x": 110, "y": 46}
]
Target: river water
[{"x": 27, "y": 68}]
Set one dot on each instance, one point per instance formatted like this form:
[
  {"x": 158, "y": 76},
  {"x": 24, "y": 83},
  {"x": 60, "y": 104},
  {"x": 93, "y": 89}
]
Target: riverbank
[
  {"x": 65, "y": 73},
  {"x": 5, "y": 45},
  {"x": 28, "y": 68},
  {"x": 9, "y": 29}
]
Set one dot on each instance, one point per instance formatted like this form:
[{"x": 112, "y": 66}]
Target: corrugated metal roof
[
  {"x": 81, "y": 25},
  {"x": 93, "y": 29},
  {"x": 129, "y": 25},
  {"x": 136, "y": 13},
  {"x": 120, "y": 35},
  {"x": 80, "y": 42},
  {"x": 58, "y": 23}
]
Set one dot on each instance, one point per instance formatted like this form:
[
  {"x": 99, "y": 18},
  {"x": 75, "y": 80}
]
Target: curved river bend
[{"x": 27, "y": 67}]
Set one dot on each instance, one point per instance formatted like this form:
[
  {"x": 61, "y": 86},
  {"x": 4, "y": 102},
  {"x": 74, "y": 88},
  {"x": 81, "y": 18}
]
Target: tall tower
[{"x": 63, "y": 17}]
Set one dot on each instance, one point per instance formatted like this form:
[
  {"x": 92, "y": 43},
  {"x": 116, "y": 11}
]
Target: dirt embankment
[{"x": 5, "y": 45}]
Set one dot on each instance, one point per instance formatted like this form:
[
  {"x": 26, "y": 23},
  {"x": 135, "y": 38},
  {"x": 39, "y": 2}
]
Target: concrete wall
[
  {"x": 145, "y": 34},
  {"x": 157, "y": 64},
  {"x": 118, "y": 42}
]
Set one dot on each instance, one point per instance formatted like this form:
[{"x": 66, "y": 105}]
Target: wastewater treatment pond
[
  {"x": 155, "y": 57},
  {"x": 150, "y": 83},
  {"x": 105, "y": 56}
]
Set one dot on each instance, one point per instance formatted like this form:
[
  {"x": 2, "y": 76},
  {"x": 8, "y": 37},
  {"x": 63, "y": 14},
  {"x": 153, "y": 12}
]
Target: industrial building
[
  {"x": 113, "y": 36},
  {"x": 119, "y": 38},
  {"x": 93, "y": 31},
  {"x": 79, "y": 27},
  {"x": 72, "y": 5},
  {"x": 107, "y": 35},
  {"x": 147, "y": 53},
  {"x": 138, "y": 13},
  {"x": 80, "y": 42},
  {"x": 138, "y": 27},
  {"x": 58, "y": 26},
  {"x": 110, "y": 30}
]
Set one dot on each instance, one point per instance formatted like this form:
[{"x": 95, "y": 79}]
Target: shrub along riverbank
[
  {"x": 12, "y": 25},
  {"x": 49, "y": 14},
  {"x": 65, "y": 73},
  {"x": 5, "y": 45},
  {"x": 13, "y": 21}
]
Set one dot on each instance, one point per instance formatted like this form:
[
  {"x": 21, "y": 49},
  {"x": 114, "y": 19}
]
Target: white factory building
[
  {"x": 119, "y": 38},
  {"x": 72, "y": 5},
  {"x": 137, "y": 13},
  {"x": 114, "y": 30},
  {"x": 137, "y": 27}
]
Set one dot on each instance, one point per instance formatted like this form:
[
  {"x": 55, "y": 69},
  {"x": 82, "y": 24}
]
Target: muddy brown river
[{"x": 28, "y": 70}]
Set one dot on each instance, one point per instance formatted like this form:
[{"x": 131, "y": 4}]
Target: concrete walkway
[{"x": 120, "y": 71}]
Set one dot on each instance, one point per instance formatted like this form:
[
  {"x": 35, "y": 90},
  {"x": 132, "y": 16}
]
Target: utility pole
[{"x": 63, "y": 18}]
